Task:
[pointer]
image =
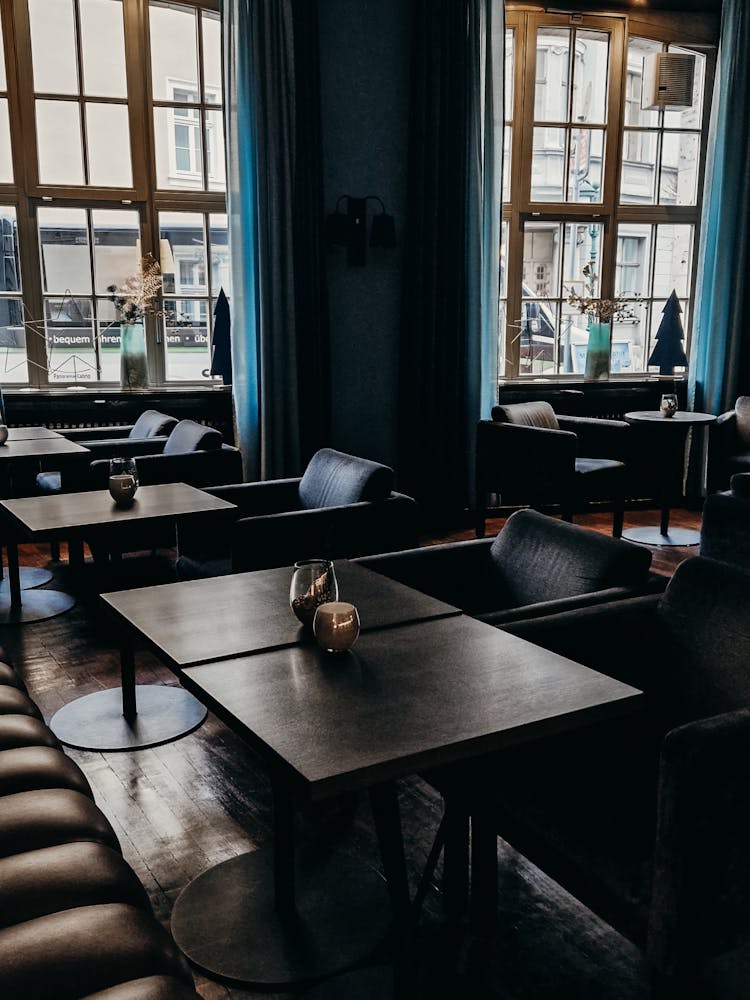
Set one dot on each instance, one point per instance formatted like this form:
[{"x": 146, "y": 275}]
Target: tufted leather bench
[{"x": 75, "y": 922}]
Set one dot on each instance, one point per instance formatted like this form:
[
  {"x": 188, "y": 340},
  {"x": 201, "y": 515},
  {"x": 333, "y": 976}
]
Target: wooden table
[
  {"x": 407, "y": 697},
  {"x": 669, "y": 435},
  {"x": 23, "y": 446},
  {"x": 113, "y": 720}
]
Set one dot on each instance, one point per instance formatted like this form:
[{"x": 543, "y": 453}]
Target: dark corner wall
[{"x": 365, "y": 103}]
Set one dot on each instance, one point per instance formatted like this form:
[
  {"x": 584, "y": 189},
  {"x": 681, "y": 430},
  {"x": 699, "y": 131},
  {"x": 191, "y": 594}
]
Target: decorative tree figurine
[
  {"x": 221, "y": 349},
  {"x": 668, "y": 352}
]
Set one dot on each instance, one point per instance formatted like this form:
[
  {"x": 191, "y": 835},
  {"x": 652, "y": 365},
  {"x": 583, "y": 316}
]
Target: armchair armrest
[
  {"x": 79, "y": 434},
  {"x": 271, "y": 497},
  {"x": 127, "y": 447},
  {"x": 701, "y": 863},
  {"x": 530, "y": 612},
  {"x": 198, "y": 468},
  {"x": 722, "y": 442},
  {"x": 598, "y": 438},
  {"x": 529, "y": 463},
  {"x": 606, "y": 637}
]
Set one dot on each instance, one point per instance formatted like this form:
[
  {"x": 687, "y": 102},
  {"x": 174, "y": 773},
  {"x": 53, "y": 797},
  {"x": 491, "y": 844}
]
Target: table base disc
[
  {"x": 96, "y": 722},
  {"x": 653, "y": 536},
  {"x": 37, "y": 606},
  {"x": 226, "y": 922},
  {"x": 30, "y": 577}
]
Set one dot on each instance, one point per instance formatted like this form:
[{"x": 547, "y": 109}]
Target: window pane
[
  {"x": 3, "y": 83},
  {"x": 638, "y": 168},
  {"x": 215, "y": 167},
  {"x": 64, "y": 249},
  {"x": 586, "y": 165},
  {"x": 108, "y": 332},
  {"x": 13, "y": 367},
  {"x": 6, "y": 160},
  {"x": 184, "y": 235},
  {"x": 674, "y": 254},
  {"x": 690, "y": 117},
  {"x": 174, "y": 49},
  {"x": 116, "y": 247},
  {"x": 633, "y": 259},
  {"x": 179, "y": 160},
  {"x": 108, "y": 137},
  {"x": 590, "y": 77},
  {"x": 59, "y": 142},
  {"x": 10, "y": 276},
  {"x": 628, "y": 340},
  {"x": 103, "y": 48},
  {"x": 634, "y": 114},
  {"x": 679, "y": 168},
  {"x": 552, "y": 57},
  {"x": 53, "y": 46},
  {"x": 70, "y": 340},
  {"x": 212, "y": 58},
  {"x": 510, "y": 39},
  {"x": 548, "y": 164},
  {"x": 221, "y": 271},
  {"x": 507, "y": 153},
  {"x": 186, "y": 337}
]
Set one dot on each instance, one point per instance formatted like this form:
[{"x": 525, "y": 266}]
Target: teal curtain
[
  {"x": 448, "y": 341},
  {"x": 720, "y": 350},
  {"x": 280, "y": 344}
]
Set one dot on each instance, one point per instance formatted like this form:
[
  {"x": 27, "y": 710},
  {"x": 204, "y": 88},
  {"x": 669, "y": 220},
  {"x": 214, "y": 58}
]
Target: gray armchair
[
  {"x": 646, "y": 822},
  {"x": 536, "y": 565},
  {"x": 342, "y": 506},
  {"x": 729, "y": 445},
  {"x": 528, "y": 455},
  {"x": 725, "y": 526}
]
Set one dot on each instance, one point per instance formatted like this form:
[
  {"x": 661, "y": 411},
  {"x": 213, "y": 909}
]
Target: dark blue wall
[{"x": 365, "y": 98}]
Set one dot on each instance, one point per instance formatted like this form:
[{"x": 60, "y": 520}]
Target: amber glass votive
[{"x": 336, "y": 626}]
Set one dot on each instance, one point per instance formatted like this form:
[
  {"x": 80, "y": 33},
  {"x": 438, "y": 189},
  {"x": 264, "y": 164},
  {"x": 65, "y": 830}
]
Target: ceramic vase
[
  {"x": 133, "y": 364},
  {"x": 598, "y": 352}
]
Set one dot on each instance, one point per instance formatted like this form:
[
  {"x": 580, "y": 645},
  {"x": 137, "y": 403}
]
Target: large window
[
  {"x": 111, "y": 148},
  {"x": 594, "y": 180}
]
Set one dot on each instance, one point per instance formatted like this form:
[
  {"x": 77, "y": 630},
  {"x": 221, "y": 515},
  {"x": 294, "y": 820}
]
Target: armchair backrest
[
  {"x": 189, "y": 436},
  {"x": 740, "y": 485},
  {"x": 151, "y": 423},
  {"x": 542, "y": 559},
  {"x": 742, "y": 411},
  {"x": 704, "y": 616},
  {"x": 335, "y": 479},
  {"x": 531, "y": 414}
]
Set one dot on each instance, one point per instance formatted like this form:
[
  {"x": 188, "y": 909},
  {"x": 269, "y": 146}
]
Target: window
[
  {"x": 594, "y": 178},
  {"x": 125, "y": 152}
]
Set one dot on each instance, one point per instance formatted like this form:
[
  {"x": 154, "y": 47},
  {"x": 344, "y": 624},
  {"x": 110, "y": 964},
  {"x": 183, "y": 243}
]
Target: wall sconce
[{"x": 349, "y": 229}]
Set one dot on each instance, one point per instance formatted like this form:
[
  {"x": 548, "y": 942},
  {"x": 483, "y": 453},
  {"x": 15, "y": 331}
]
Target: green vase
[
  {"x": 598, "y": 352},
  {"x": 133, "y": 364}
]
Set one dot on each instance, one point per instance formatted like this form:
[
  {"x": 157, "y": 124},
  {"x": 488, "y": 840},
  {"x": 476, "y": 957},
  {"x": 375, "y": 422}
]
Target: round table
[{"x": 669, "y": 435}]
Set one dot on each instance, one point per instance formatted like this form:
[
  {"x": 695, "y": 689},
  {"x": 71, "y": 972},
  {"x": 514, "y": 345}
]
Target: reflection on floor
[{"x": 185, "y": 806}]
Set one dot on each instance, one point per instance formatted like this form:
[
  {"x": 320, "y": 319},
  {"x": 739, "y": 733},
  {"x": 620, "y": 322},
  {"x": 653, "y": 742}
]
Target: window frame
[
  {"x": 520, "y": 208},
  {"x": 27, "y": 194}
]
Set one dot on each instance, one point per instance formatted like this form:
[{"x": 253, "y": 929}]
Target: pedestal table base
[{"x": 653, "y": 536}]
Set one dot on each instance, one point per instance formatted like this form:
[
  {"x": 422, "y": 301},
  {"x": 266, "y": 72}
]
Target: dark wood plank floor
[{"x": 187, "y": 805}]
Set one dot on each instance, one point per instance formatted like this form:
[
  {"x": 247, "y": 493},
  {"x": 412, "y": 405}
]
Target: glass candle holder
[
  {"x": 668, "y": 406},
  {"x": 313, "y": 583},
  {"x": 336, "y": 626},
  {"x": 123, "y": 480}
]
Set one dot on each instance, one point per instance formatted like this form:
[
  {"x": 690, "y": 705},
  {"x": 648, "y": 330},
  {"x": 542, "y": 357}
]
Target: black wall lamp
[{"x": 349, "y": 229}]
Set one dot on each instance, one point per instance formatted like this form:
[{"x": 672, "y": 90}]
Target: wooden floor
[{"x": 185, "y": 806}]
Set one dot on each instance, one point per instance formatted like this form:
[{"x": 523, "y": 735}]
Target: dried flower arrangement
[
  {"x": 138, "y": 294},
  {"x": 597, "y": 309}
]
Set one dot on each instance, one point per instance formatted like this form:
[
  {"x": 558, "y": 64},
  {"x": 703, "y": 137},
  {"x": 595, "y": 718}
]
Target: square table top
[
  {"x": 402, "y": 700},
  {"x": 65, "y": 512},
  {"x": 39, "y": 448},
  {"x": 32, "y": 434},
  {"x": 225, "y": 616}
]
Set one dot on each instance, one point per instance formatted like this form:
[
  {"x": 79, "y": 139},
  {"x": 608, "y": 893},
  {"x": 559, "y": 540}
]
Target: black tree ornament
[
  {"x": 221, "y": 348},
  {"x": 668, "y": 352}
]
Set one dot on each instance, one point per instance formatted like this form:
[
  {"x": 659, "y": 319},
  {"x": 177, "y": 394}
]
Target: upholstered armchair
[
  {"x": 536, "y": 565},
  {"x": 729, "y": 445},
  {"x": 645, "y": 821},
  {"x": 342, "y": 506},
  {"x": 528, "y": 455},
  {"x": 725, "y": 527}
]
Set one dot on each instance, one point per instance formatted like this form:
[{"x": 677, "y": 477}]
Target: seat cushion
[
  {"x": 151, "y": 423},
  {"x": 13, "y": 701},
  {"x": 596, "y": 466},
  {"x": 738, "y": 464},
  {"x": 188, "y": 435},
  {"x": 24, "y": 769},
  {"x": 334, "y": 479},
  {"x": 49, "y": 482},
  {"x": 151, "y": 988},
  {"x": 32, "y": 820},
  {"x": 742, "y": 410},
  {"x": 542, "y": 559},
  {"x": 25, "y": 731},
  {"x": 530, "y": 414},
  {"x": 63, "y": 877},
  {"x": 68, "y": 955}
]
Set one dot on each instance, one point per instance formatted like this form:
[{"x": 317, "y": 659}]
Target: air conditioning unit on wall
[{"x": 668, "y": 80}]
